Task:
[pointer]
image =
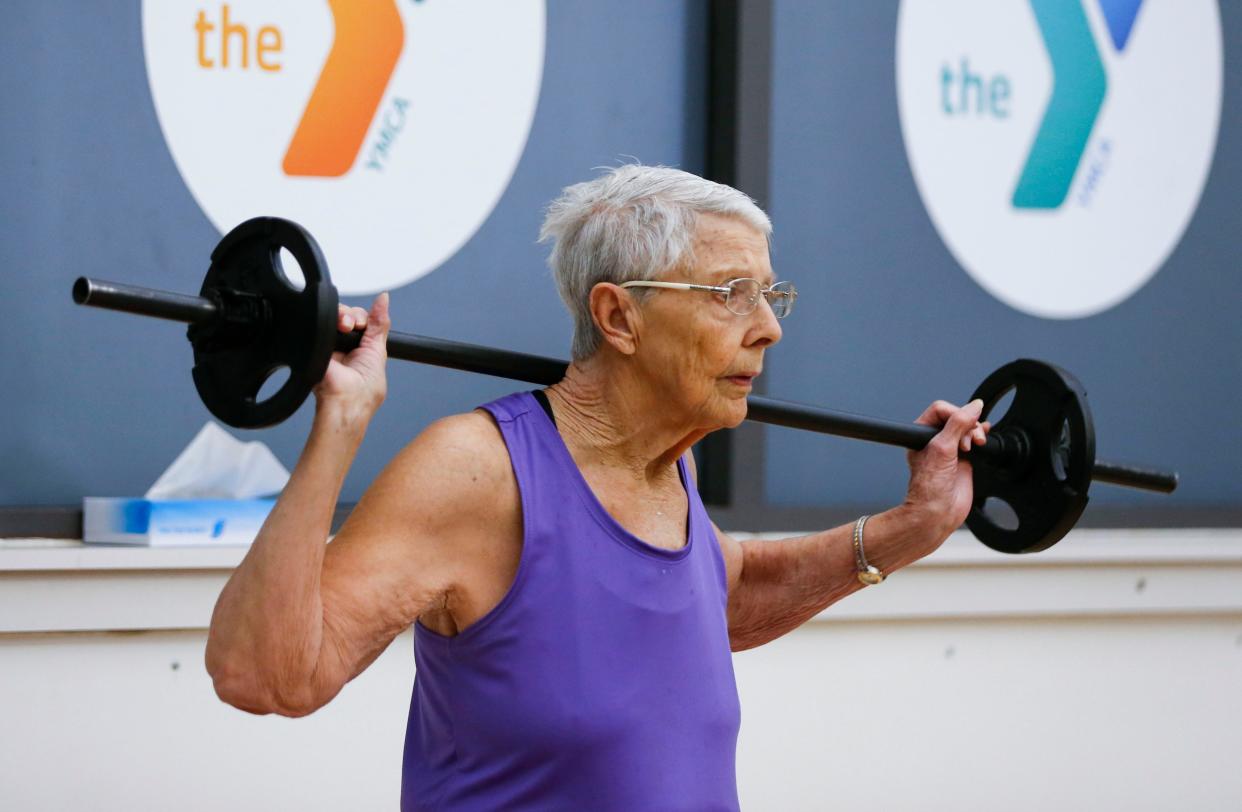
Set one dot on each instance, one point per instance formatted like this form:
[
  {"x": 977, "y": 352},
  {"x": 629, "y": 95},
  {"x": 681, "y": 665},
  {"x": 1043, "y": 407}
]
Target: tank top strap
[
  {"x": 536, "y": 453},
  {"x": 510, "y": 407},
  {"x": 704, "y": 540}
]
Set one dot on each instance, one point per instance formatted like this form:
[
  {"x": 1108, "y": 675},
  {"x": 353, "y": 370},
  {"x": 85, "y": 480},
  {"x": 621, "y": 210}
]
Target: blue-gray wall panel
[
  {"x": 99, "y": 403},
  {"x": 889, "y": 321}
]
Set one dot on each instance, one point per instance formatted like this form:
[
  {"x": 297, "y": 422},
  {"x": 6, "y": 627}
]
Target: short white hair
[{"x": 631, "y": 223}]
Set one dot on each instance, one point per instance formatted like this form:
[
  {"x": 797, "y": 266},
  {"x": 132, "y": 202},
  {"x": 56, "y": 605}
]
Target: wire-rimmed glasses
[{"x": 741, "y": 295}]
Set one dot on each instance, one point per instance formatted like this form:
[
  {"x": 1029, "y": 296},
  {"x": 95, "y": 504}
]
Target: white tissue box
[{"x": 173, "y": 522}]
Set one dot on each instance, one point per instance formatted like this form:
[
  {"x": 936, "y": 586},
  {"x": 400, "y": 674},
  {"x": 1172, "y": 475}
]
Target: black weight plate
[
  {"x": 265, "y": 324},
  {"x": 1047, "y": 486}
]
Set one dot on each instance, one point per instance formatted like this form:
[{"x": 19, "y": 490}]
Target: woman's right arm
[
  {"x": 299, "y": 617},
  {"x": 266, "y": 631}
]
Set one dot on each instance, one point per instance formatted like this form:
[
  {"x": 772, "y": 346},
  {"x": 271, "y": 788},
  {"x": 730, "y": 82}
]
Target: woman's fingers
[
  {"x": 937, "y": 414},
  {"x": 378, "y": 315},
  {"x": 941, "y": 412},
  {"x": 350, "y": 318},
  {"x": 977, "y": 436}
]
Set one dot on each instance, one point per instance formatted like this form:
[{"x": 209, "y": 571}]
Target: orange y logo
[
  {"x": 369, "y": 38},
  {"x": 311, "y": 109}
]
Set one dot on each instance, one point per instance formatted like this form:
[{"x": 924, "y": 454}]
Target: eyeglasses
[{"x": 741, "y": 295}]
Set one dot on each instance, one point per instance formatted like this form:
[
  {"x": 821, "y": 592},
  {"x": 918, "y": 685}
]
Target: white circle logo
[
  {"x": 1060, "y": 146},
  {"x": 389, "y": 128}
]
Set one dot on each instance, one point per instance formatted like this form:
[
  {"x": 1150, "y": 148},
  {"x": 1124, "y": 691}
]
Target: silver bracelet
[{"x": 868, "y": 574}]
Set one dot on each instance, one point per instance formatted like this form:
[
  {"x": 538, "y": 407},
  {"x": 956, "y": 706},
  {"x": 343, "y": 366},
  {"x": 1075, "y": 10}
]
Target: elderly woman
[{"x": 574, "y": 607}]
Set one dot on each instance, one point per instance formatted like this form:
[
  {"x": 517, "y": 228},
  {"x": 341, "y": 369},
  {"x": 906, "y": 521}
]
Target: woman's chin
[{"x": 734, "y": 413}]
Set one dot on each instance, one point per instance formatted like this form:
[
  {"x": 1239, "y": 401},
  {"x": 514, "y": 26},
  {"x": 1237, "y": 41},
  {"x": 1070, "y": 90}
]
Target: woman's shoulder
[
  {"x": 462, "y": 450},
  {"x": 451, "y": 486}
]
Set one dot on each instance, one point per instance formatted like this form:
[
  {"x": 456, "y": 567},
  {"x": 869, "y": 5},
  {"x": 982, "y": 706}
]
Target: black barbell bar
[{"x": 546, "y": 371}]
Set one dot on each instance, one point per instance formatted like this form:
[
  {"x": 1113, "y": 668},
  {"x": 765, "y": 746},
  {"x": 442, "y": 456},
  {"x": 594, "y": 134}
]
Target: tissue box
[{"x": 173, "y": 522}]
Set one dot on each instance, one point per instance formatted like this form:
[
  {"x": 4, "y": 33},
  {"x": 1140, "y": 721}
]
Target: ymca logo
[
  {"x": 368, "y": 40},
  {"x": 1056, "y": 160},
  {"x": 389, "y": 128},
  {"x": 1079, "y": 86}
]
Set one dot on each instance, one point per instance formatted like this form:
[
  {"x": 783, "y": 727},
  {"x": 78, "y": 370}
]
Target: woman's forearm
[
  {"x": 266, "y": 637},
  {"x": 785, "y": 583}
]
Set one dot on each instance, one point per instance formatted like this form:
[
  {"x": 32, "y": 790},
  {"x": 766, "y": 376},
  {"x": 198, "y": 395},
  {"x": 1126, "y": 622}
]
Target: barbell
[{"x": 249, "y": 321}]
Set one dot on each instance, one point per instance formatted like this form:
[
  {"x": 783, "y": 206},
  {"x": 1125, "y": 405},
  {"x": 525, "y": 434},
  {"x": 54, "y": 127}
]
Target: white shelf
[
  {"x": 54, "y": 585},
  {"x": 18, "y": 555}
]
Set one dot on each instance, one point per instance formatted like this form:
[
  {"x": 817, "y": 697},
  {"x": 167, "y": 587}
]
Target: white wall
[
  {"x": 1065, "y": 714},
  {"x": 1103, "y": 674}
]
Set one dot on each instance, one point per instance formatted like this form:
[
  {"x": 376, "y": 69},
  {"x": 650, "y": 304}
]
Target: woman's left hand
[{"x": 941, "y": 489}]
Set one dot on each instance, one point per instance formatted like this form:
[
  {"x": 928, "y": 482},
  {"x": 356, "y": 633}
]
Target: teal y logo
[
  {"x": 1039, "y": 132},
  {"x": 1079, "y": 85}
]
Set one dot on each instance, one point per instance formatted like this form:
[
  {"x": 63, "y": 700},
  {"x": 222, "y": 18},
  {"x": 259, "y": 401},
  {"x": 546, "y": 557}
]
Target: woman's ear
[{"x": 617, "y": 317}]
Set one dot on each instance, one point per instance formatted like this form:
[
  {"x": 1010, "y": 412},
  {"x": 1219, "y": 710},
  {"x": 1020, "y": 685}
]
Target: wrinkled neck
[{"x": 607, "y": 414}]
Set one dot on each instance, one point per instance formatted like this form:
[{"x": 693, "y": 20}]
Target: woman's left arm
[{"x": 776, "y": 586}]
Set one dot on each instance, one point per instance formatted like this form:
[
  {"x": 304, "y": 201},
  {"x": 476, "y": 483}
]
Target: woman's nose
[{"x": 767, "y": 329}]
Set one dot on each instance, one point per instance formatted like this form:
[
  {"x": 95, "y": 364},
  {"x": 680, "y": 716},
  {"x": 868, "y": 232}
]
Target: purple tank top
[{"x": 603, "y": 679}]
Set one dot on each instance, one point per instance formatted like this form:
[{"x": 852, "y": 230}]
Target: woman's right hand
[{"x": 356, "y": 380}]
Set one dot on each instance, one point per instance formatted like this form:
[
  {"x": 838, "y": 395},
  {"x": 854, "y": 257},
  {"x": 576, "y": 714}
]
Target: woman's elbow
[{"x": 240, "y": 687}]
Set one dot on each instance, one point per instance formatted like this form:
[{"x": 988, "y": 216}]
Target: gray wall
[
  {"x": 889, "y": 321},
  {"x": 97, "y": 403}
]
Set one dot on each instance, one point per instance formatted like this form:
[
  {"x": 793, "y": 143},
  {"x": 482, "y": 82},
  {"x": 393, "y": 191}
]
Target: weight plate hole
[
  {"x": 999, "y": 513},
  {"x": 290, "y": 270},
  {"x": 1061, "y": 450},
  {"x": 275, "y": 380},
  {"x": 995, "y": 414}
]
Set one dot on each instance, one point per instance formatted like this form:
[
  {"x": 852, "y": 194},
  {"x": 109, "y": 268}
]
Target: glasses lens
[
  {"x": 743, "y": 296},
  {"x": 782, "y": 296}
]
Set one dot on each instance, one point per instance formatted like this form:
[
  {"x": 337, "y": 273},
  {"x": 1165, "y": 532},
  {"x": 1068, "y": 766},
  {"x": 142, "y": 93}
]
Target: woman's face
[{"x": 700, "y": 355}]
